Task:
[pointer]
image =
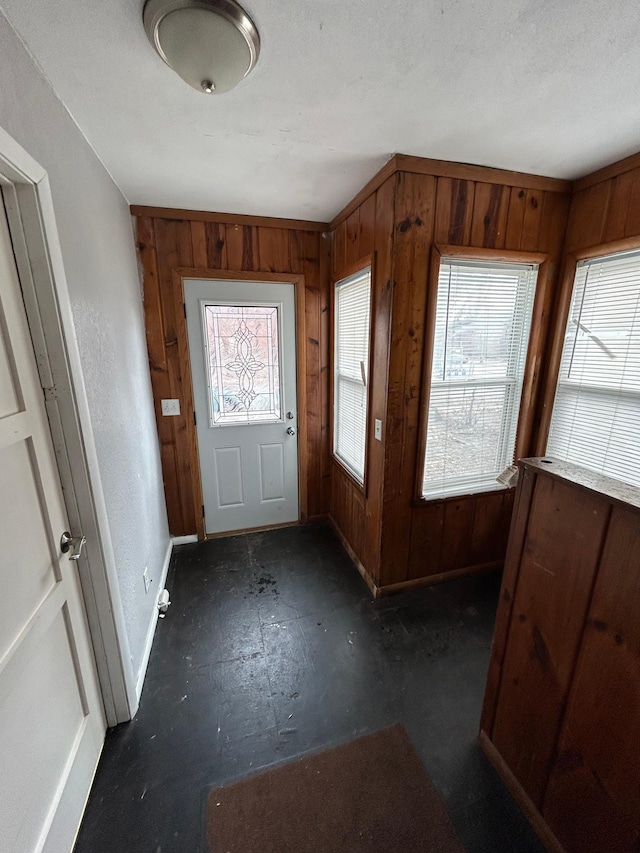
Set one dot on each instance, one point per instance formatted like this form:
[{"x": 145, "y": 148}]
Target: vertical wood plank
[
  {"x": 324, "y": 252},
  {"x": 593, "y": 803},
  {"x": 490, "y": 531},
  {"x": 216, "y": 245},
  {"x": 414, "y": 222},
  {"x": 443, "y": 210},
  {"x": 381, "y": 326},
  {"x": 173, "y": 244},
  {"x": 339, "y": 255},
  {"x": 235, "y": 247},
  {"x": 199, "y": 244},
  {"x": 632, "y": 227},
  {"x": 489, "y": 222},
  {"x": 427, "y": 529},
  {"x": 273, "y": 249},
  {"x": 548, "y": 616},
  {"x": 173, "y": 312},
  {"x": 305, "y": 259},
  {"x": 462, "y": 196},
  {"x": 352, "y": 249},
  {"x": 519, "y": 520},
  {"x": 154, "y": 325},
  {"x": 588, "y": 214},
  {"x": 515, "y": 217},
  {"x": 250, "y": 248},
  {"x": 459, "y": 517},
  {"x": 619, "y": 205},
  {"x": 366, "y": 226},
  {"x": 530, "y": 238}
]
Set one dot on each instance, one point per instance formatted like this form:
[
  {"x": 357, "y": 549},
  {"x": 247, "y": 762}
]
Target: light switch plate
[
  {"x": 170, "y": 407},
  {"x": 378, "y": 429}
]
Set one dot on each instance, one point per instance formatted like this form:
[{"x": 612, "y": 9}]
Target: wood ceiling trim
[
  {"x": 446, "y": 169},
  {"x": 227, "y": 218},
  {"x": 608, "y": 172}
]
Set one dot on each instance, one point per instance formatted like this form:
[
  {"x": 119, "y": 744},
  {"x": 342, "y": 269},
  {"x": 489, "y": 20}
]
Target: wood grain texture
[
  {"x": 358, "y": 515},
  {"x": 561, "y": 716},
  {"x": 519, "y": 520},
  {"x": 180, "y": 215},
  {"x": 479, "y": 174},
  {"x": 413, "y": 234},
  {"x": 260, "y": 247},
  {"x": 559, "y": 559},
  {"x": 628, "y": 164},
  {"x": 404, "y": 539},
  {"x": 448, "y": 170},
  {"x": 593, "y": 799},
  {"x": 518, "y": 793},
  {"x": 604, "y": 218}
]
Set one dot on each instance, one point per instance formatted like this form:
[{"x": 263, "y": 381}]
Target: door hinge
[
  {"x": 195, "y": 420},
  {"x": 203, "y": 510},
  {"x": 184, "y": 308}
]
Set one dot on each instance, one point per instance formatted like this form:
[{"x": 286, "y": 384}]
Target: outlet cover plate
[{"x": 170, "y": 407}]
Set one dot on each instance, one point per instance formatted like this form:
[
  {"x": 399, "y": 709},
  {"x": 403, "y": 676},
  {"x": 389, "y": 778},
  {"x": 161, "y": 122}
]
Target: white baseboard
[
  {"x": 184, "y": 540},
  {"x": 153, "y": 624}
]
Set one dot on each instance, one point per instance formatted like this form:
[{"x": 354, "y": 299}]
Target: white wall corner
[{"x": 153, "y": 622}]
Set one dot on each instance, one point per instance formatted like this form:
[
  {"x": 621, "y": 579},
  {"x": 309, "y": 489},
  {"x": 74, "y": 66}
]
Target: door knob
[
  {"x": 67, "y": 541},
  {"x": 291, "y": 431}
]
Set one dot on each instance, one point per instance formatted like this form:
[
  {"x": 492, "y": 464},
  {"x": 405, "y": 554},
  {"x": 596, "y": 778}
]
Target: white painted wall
[{"x": 97, "y": 243}]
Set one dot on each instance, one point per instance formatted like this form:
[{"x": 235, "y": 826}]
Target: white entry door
[
  {"x": 51, "y": 717},
  {"x": 242, "y": 343}
]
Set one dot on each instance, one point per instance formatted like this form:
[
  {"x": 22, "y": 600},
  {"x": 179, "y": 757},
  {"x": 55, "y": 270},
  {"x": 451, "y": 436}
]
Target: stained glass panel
[{"x": 243, "y": 363}]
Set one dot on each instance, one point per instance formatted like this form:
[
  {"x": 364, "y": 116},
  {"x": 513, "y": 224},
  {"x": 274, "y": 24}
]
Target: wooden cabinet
[{"x": 561, "y": 716}]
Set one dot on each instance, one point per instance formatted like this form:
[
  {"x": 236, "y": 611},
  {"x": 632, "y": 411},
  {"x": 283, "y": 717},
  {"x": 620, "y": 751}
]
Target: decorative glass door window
[{"x": 242, "y": 363}]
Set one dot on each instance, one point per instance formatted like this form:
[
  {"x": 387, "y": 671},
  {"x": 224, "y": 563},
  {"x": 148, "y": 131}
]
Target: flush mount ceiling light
[{"x": 211, "y": 44}]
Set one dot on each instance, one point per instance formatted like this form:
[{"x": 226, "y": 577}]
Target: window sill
[{"x": 461, "y": 494}]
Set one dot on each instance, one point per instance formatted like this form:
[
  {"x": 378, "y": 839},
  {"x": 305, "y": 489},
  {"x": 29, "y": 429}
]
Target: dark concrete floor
[{"x": 272, "y": 647}]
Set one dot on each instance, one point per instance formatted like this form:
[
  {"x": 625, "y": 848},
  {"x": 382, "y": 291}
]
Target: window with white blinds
[
  {"x": 351, "y": 368},
  {"x": 483, "y": 318},
  {"x": 596, "y": 413}
]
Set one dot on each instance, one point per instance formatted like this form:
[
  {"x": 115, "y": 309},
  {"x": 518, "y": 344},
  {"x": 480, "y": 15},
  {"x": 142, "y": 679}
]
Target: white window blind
[
  {"x": 483, "y": 318},
  {"x": 596, "y": 413},
  {"x": 351, "y": 366}
]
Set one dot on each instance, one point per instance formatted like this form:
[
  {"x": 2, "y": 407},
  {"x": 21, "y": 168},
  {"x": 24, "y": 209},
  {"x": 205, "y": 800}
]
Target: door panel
[
  {"x": 51, "y": 717},
  {"x": 272, "y": 471},
  {"x": 243, "y": 365},
  {"x": 228, "y": 470}
]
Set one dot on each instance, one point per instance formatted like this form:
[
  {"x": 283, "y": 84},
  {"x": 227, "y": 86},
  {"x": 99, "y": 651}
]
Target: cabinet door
[
  {"x": 563, "y": 542},
  {"x": 593, "y": 799}
]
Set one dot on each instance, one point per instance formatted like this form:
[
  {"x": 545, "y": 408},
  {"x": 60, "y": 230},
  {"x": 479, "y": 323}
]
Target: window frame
[
  {"x": 563, "y": 308},
  {"x": 345, "y": 272},
  {"x": 531, "y": 386}
]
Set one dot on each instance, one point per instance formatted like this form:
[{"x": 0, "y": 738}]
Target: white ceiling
[{"x": 541, "y": 86}]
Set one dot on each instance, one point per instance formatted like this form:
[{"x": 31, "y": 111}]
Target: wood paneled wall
[
  {"x": 604, "y": 217},
  {"x": 605, "y": 207},
  {"x": 169, "y": 240},
  {"x": 420, "y": 540},
  {"x": 368, "y": 230}
]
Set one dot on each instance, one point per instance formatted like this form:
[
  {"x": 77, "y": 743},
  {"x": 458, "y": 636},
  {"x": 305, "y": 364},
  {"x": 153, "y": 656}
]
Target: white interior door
[
  {"x": 242, "y": 343},
  {"x": 51, "y": 717}
]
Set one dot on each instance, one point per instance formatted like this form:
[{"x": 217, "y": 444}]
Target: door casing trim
[{"x": 34, "y": 234}]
